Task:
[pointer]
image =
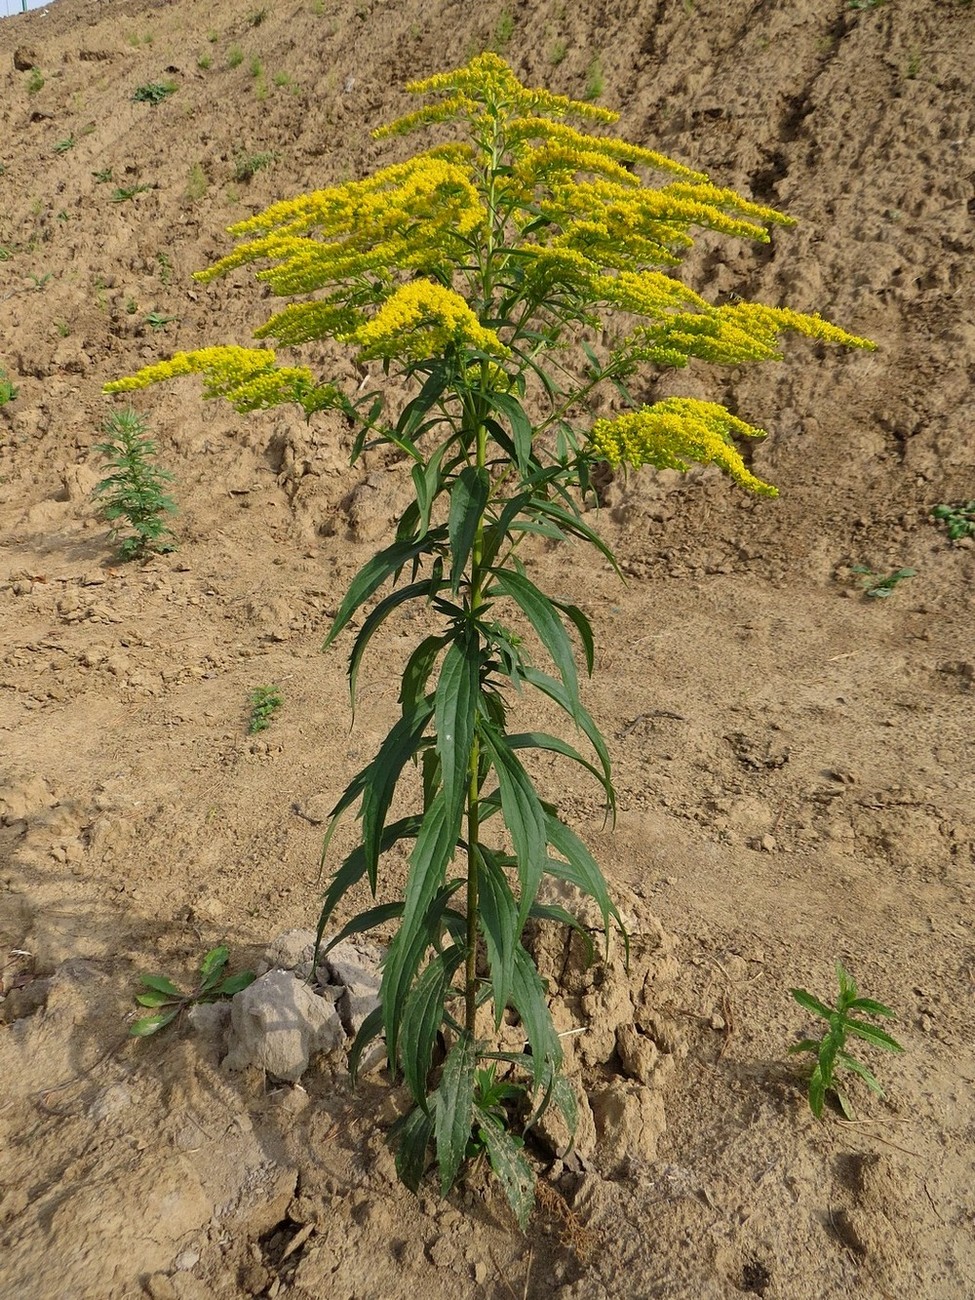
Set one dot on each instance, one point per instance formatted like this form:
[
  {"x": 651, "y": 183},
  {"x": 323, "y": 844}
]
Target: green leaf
[
  {"x": 542, "y": 615},
  {"x": 160, "y": 984},
  {"x": 147, "y": 1025},
  {"x": 422, "y": 1017},
  {"x": 212, "y": 966},
  {"x": 468, "y": 498},
  {"x": 848, "y": 989},
  {"x": 366, "y": 920},
  {"x": 508, "y": 1161},
  {"x": 370, "y": 1029},
  {"x": 418, "y": 668},
  {"x": 812, "y": 1004},
  {"x": 871, "y": 1034},
  {"x": 807, "y": 1045},
  {"x": 234, "y": 984},
  {"x": 574, "y": 525},
  {"x": 528, "y": 996},
  {"x": 431, "y": 854},
  {"x": 374, "y": 573},
  {"x": 412, "y": 1136},
  {"x": 845, "y": 1105},
  {"x": 871, "y": 1008},
  {"x": 523, "y": 815},
  {"x": 555, "y": 745},
  {"x": 155, "y": 999},
  {"x": 455, "y": 1102},
  {"x": 400, "y": 745},
  {"x": 580, "y": 869},
  {"x": 428, "y": 587},
  {"x": 817, "y": 1092},
  {"x": 555, "y": 691},
  {"x": 353, "y": 869},
  {"x": 455, "y": 710},
  {"x": 849, "y": 1063},
  {"x": 498, "y": 915},
  {"x": 521, "y": 428}
]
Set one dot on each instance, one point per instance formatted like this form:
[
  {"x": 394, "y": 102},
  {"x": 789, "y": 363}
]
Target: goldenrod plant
[{"x": 476, "y": 271}]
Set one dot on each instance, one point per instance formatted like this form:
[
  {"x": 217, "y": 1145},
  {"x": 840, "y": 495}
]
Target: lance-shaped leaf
[
  {"x": 453, "y": 1117},
  {"x": 468, "y": 497},
  {"x": 523, "y": 814},
  {"x": 369, "y": 1030},
  {"x": 455, "y": 711},
  {"x": 871, "y": 1034},
  {"x": 412, "y": 1136},
  {"x": 422, "y": 1017},
  {"x": 376, "y": 617},
  {"x": 555, "y": 745},
  {"x": 211, "y": 968},
  {"x": 528, "y": 996},
  {"x": 400, "y": 745},
  {"x": 580, "y": 868},
  {"x": 431, "y": 854},
  {"x": 507, "y": 1159},
  {"x": 544, "y": 618},
  {"x": 375, "y": 572},
  {"x": 555, "y": 691},
  {"x": 508, "y": 405},
  {"x": 498, "y": 914},
  {"x": 418, "y": 668}
]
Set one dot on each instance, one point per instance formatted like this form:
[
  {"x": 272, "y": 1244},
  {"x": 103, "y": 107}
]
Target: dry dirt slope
[{"x": 795, "y": 764}]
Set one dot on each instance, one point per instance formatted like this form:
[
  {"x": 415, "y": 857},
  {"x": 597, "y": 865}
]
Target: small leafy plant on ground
[
  {"x": 167, "y": 1001},
  {"x": 830, "y": 1050},
  {"x": 154, "y": 92},
  {"x": 8, "y": 389},
  {"x": 133, "y": 494},
  {"x": 958, "y": 519},
  {"x": 122, "y": 193},
  {"x": 475, "y": 272},
  {"x": 265, "y": 702},
  {"x": 247, "y": 166},
  {"x": 876, "y": 587}
]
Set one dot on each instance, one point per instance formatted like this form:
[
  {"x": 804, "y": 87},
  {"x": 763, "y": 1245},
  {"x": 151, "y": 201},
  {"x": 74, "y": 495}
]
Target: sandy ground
[{"x": 795, "y": 761}]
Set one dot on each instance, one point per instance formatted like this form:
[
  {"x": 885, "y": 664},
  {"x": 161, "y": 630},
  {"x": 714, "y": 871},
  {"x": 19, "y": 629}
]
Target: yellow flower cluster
[
  {"x": 487, "y": 82},
  {"x": 421, "y": 319},
  {"x": 406, "y": 217},
  {"x": 248, "y": 378},
  {"x": 675, "y": 432}
]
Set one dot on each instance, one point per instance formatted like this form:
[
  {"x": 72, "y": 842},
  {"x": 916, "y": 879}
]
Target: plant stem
[{"x": 474, "y": 785}]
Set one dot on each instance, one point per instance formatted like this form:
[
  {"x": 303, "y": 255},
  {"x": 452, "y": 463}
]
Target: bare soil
[{"x": 795, "y": 761}]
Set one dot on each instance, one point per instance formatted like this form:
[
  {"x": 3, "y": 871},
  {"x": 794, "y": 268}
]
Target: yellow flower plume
[
  {"x": 419, "y": 320},
  {"x": 675, "y": 432}
]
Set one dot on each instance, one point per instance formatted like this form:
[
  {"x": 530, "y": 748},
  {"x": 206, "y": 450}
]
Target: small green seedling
[
  {"x": 35, "y": 81},
  {"x": 959, "y": 519},
  {"x": 830, "y": 1050},
  {"x": 154, "y": 92},
  {"x": 167, "y": 1001},
  {"x": 877, "y": 587},
  {"x": 125, "y": 192},
  {"x": 133, "y": 492},
  {"x": 103, "y": 176},
  {"x": 158, "y": 320},
  {"x": 8, "y": 389},
  {"x": 265, "y": 702},
  {"x": 63, "y": 146}
]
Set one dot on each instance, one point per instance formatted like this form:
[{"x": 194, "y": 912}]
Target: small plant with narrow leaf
[
  {"x": 958, "y": 519},
  {"x": 877, "y": 587},
  {"x": 264, "y": 701},
  {"x": 8, "y": 389},
  {"x": 166, "y": 1002},
  {"x": 475, "y": 272},
  {"x": 133, "y": 495},
  {"x": 832, "y": 1057}
]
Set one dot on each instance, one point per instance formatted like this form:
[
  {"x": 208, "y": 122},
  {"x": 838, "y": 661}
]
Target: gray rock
[
  {"x": 355, "y": 964},
  {"x": 277, "y": 1023}
]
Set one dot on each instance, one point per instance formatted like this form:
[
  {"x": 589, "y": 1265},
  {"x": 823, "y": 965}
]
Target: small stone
[
  {"x": 768, "y": 843},
  {"x": 186, "y": 1260},
  {"x": 277, "y": 1023},
  {"x": 718, "y": 1021}
]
